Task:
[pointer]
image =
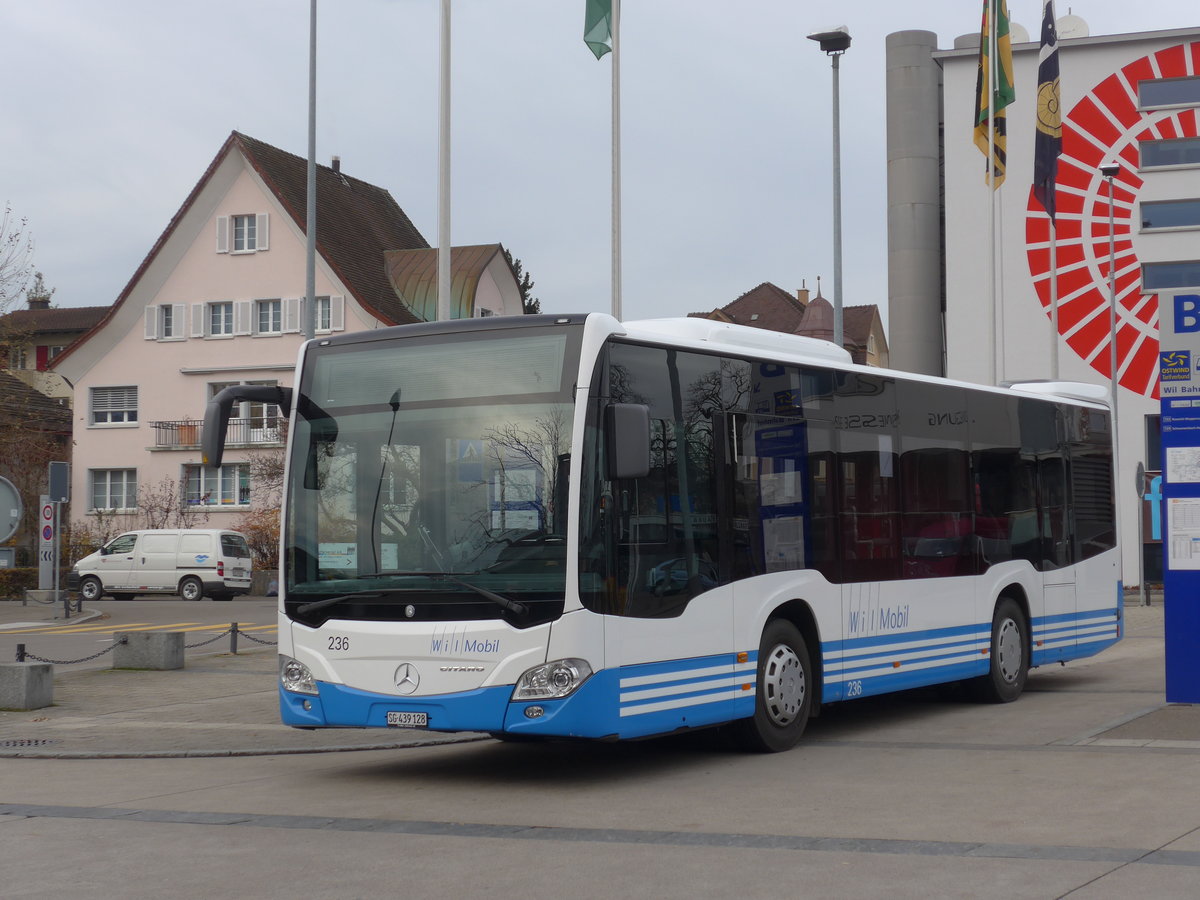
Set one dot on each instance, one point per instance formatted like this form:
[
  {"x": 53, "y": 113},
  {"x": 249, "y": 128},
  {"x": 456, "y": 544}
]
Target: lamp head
[
  {"x": 836, "y": 40},
  {"x": 1110, "y": 169}
]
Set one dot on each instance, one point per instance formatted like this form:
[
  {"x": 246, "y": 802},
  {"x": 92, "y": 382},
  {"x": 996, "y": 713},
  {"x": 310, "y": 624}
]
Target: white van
[{"x": 189, "y": 562}]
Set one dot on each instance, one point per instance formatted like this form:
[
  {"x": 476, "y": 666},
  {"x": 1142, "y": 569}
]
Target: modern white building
[{"x": 1132, "y": 99}]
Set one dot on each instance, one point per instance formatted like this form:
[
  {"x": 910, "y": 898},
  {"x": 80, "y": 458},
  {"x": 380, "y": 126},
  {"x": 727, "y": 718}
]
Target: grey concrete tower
[{"x": 916, "y": 285}]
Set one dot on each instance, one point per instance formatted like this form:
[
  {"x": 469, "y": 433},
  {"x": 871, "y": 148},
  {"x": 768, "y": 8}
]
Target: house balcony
[{"x": 258, "y": 431}]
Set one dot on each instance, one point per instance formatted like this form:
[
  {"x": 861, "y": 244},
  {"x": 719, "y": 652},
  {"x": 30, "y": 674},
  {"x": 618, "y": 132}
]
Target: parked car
[{"x": 192, "y": 563}]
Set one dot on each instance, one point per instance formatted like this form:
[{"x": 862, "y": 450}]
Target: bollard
[
  {"x": 20, "y": 653},
  {"x": 26, "y": 685},
  {"x": 233, "y": 638},
  {"x": 148, "y": 650}
]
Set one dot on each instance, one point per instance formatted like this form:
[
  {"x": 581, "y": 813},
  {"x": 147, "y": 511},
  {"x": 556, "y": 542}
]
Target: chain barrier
[
  {"x": 23, "y": 655},
  {"x": 233, "y": 631}
]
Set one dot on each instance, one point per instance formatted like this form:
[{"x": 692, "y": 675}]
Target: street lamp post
[
  {"x": 834, "y": 43},
  {"x": 1110, "y": 171}
]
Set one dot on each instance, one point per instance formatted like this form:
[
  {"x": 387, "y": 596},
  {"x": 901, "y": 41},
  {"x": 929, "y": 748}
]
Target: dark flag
[{"x": 1047, "y": 142}]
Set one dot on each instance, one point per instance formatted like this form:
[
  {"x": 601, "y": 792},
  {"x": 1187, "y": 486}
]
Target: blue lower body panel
[{"x": 634, "y": 701}]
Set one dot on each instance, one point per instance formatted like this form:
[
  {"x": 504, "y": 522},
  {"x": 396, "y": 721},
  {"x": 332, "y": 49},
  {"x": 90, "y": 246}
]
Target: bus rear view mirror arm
[
  {"x": 216, "y": 415},
  {"x": 628, "y": 429}
]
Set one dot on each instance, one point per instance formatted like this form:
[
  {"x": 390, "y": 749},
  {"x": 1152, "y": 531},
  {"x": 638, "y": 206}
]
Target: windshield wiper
[
  {"x": 513, "y": 606},
  {"x": 330, "y": 601}
]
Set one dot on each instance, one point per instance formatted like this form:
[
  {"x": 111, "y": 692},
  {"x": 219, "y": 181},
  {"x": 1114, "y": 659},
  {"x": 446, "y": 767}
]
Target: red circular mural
[{"x": 1104, "y": 125}]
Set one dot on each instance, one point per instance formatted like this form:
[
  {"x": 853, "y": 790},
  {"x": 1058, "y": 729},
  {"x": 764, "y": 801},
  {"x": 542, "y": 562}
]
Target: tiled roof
[
  {"x": 23, "y": 407},
  {"x": 357, "y": 223},
  {"x": 413, "y": 276},
  {"x": 766, "y": 306},
  {"x": 44, "y": 321},
  {"x": 857, "y": 321}
]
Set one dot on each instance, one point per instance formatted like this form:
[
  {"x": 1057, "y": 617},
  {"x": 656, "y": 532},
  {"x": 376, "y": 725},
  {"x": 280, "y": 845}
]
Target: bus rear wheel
[
  {"x": 783, "y": 697},
  {"x": 1009, "y": 666}
]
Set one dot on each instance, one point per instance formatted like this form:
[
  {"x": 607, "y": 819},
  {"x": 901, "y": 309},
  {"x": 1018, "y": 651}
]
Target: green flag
[{"x": 597, "y": 26}]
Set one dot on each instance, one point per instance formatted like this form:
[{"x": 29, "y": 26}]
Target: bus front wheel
[
  {"x": 1009, "y": 666},
  {"x": 783, "y": 697}
]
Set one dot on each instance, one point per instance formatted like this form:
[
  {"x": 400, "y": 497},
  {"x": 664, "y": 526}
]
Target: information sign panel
[{"x": 1179, "y": 389}]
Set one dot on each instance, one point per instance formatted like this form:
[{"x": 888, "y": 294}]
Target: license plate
[{"x": 407, "y": 719}]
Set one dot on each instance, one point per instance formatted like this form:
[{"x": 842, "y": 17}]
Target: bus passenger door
[{"x": 1058, "y": 630}]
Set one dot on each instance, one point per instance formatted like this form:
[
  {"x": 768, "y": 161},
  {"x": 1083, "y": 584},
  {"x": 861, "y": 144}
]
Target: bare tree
[{"x": 16, "y": 257}]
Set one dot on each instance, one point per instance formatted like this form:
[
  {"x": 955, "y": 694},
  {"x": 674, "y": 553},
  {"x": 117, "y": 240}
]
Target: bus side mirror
[{"x": 627, "y": 426}]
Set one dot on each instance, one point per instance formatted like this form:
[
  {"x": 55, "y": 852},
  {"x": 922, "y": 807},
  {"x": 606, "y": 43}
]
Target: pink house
[{"x": 219, "y": 300}]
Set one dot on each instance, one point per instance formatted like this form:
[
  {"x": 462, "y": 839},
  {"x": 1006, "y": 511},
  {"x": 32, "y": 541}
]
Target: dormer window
[{"x": 245, "y": 233}]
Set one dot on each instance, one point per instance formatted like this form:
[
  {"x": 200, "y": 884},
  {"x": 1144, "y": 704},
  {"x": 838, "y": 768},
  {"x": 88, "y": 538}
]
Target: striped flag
[
  {"x": 1047, "y": 142},
  {"x": 597, "y": 26},
  {"x": 994, "y": 90}
]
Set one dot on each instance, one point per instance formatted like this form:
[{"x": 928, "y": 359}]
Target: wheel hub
[
  {"x": 1009, "y": 651},
  {"x": 784, "y": 687}
]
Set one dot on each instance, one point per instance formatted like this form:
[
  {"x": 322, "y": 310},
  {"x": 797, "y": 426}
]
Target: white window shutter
[
  {"x": 198, "y": 319},
  {"x": 222, "y": 234},
  {"x": 337, "y": 313},
  {"x": 243, "y": 316},
  {"x": 262, "y": 232},
  {"x": 179, "y": 320},
  {"x": 291, "y": 315},
  {"x": 151, "y": 323}
]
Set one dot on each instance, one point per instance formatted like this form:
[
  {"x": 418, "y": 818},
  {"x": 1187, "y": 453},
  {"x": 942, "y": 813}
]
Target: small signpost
[{"x": 1179, "y": 389}]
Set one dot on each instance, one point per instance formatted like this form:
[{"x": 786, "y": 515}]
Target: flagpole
[
  {"x": 1053, "y": 297},
  {"x": 310, "y": 202},
  {"x": 616, "y": 159},
  {"x": 991, "y": 184},
  {"x": 443, "y": 251}
]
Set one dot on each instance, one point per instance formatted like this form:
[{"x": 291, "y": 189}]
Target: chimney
[
  {"x": 802, "y": 293},
  {"x": 337, "y": 164}
]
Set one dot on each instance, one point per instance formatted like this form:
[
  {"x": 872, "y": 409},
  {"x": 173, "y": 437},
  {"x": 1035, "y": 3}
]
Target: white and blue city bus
[{"x": 573, "y": 527}]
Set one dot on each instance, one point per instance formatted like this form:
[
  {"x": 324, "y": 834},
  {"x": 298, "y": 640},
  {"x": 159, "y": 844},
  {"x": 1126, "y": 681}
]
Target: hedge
[{"x": 15, "y": 582}]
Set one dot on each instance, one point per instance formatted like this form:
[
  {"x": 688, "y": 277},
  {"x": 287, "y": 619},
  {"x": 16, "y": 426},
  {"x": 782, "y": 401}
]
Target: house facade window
[
  {"x": 220, "y": 318},
  {"x": 243, "y": 233},
  {"x": 17, "y": 358},
  {"x": 114, "y": 405},
  {"x": 1171, "y": 214},
  {"x": 323, "y": 321},
  {"x": 166, "y": 321},
  {"x": 268, "y": 316},
  {"x": 227, "y": 486},
  {"x": 1166, "y": 275},
  {"x": 113, "y": 489},
  {"x": 1169, "y": 92},
  {"x": 1171, "y": 152}
]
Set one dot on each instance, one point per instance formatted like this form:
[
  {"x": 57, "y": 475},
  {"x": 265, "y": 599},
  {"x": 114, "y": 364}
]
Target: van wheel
[
  {"x": 90, "y": 589},
  {"x": 783, "y": 698},
  {"x": 191, "y": 588}
]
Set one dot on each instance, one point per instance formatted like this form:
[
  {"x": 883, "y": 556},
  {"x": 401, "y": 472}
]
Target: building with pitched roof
[
  {"x": 219, "y": 300},
  {"x": 771, "y": 307},
  {"x": 34, "y": 337}
]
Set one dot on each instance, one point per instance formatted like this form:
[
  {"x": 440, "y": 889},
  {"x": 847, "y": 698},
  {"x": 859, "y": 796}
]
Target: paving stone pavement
[{"x": 225, "y": 705}]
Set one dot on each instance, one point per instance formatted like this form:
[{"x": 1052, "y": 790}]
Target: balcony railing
[{"x": 257, "y": 431}]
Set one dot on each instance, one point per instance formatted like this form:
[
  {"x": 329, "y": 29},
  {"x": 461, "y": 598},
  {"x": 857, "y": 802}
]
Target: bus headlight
[
  {"x": 295, "y": 676},
  {"x": 552, "y": 680}
]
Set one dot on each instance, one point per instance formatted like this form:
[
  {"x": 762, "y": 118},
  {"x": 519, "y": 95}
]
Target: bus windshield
[{"x": 431, "y": 470}]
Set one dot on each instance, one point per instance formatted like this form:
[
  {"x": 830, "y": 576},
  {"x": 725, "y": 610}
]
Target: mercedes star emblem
[{"x": 407, "y": 678}]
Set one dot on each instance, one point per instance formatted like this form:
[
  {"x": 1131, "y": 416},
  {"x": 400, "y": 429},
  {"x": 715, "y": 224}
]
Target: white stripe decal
[{"x": 683, "y": 702}]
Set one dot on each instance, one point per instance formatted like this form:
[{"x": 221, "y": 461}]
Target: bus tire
[
  {"x": 1009, "y": 658},
  {"x": 784, "y": 694}
]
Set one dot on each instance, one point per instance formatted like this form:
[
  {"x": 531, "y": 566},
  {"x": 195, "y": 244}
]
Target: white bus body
[{"x": 485, "y": 530}]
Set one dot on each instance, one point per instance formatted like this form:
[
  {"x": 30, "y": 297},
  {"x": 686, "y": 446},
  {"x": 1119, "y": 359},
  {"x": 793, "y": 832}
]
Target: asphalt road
[
  {"x": 1072, "y": 791},
  {"x": 46, "y": 632}
]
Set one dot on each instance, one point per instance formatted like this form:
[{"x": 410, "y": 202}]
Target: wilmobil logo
[{"x": 454, "y": 643}]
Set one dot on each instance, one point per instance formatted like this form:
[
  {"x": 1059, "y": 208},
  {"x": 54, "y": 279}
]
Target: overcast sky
[{"x": 112, "y": 111}]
